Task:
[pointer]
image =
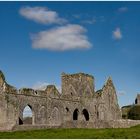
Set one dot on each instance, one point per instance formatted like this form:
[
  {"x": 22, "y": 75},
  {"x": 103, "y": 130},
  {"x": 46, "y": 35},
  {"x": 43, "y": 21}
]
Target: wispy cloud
[
  {"x": 102, "y": 18},
  {"x": 43, "y": 86},
  {"x": 41, "y": 15},
  {"x": 117, "y": 35},
  {"x": 121, "y": 93},
  {"x": 122, "y": 9},
  {"x": 88, "y": 18},
  {"x": 40, "y": 85},
  {"x": 68, "y": 37},
  {"x": 77, "y": 16},
  {"x": 89, "y": 21}
]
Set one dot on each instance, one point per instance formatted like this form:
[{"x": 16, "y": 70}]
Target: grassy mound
[{"x": 121, "y": 133}]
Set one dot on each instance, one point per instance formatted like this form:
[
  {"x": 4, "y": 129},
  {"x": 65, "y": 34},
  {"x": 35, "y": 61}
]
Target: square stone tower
[{"x": 79, "y": 84}]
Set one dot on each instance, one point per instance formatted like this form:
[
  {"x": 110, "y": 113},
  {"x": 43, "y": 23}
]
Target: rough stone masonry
[{"x": 78, "y": 106}]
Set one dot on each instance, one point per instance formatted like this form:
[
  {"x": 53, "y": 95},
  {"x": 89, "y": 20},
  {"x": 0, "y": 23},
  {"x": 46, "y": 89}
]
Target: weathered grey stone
[
  {"x": 78, "y": 106},
  {"x": 137, "y": 100}
]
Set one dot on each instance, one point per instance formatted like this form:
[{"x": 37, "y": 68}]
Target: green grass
[{"x": 123, "y": 133}]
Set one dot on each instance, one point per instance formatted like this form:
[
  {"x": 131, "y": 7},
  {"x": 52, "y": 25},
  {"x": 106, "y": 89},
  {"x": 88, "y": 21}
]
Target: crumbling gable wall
[{"x": 108, "y": 103}]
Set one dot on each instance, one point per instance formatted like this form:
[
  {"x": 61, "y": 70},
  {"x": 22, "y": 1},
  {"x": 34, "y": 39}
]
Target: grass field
[{"x": 133, "y": 133}]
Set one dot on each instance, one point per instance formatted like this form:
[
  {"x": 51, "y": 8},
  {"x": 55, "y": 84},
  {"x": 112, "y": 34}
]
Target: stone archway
[
  {"x": 27, "y": 115},
  {"x": 75, "y": 114},
  {"x": 86, "y": 114}
]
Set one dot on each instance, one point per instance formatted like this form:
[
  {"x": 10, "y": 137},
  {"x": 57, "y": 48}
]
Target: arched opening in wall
[
  {"x": 20, "y": 121},
  {"x": 55, "y": 118},
  {"x": 28, "y": 116},
  {"x": 86, "y": 114},
  {"x": 97, "y": 115},
  {"x": 136, "y": 101},
  {"x": 75, "y": 114},
  {"x": 67, "y": 110}
]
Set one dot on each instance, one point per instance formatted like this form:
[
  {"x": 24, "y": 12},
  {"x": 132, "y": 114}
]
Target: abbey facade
[{"x": 77, "y": 106}]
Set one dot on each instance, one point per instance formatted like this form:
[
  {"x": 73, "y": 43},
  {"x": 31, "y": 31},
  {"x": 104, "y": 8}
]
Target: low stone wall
[
  {"x": 78, "y": 124},
  {"x": 32, "y": 127},
  {"x": 75, "y": 124},
  {"x": 123, "y": 123}
]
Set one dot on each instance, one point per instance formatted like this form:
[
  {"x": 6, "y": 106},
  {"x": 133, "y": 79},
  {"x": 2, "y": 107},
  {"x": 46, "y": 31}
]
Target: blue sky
[{"x": 40, "y": 40}]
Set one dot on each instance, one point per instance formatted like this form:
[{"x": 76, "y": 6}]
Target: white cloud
[
  {"x": 43, "y": 86},
  {"x": 41, "y": 15},
  {"x": 68, "y": 37},
  {"x": 40, "y": 85},
  {"x": 122, "y": 9},
  {"x": 117, "y": 34},
  {"x": 121, "y": 93}
]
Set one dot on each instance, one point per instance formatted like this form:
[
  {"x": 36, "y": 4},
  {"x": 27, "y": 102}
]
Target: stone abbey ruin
[{"x": 77, "y": 106}]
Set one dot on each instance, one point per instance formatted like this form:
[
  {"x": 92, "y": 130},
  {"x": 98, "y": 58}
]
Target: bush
[{"x": 134, "y": 112}]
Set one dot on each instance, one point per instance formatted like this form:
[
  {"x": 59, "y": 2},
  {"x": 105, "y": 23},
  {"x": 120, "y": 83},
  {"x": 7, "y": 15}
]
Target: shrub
[{"x": 134, "y": 112}]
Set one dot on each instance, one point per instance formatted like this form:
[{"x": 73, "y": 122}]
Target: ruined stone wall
[
  {"x": 77, "y": 106},
  {"x": 7, "y": 112},
  {"x": 108, "y": 102},
  {"x": 44, "y": 109}
]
